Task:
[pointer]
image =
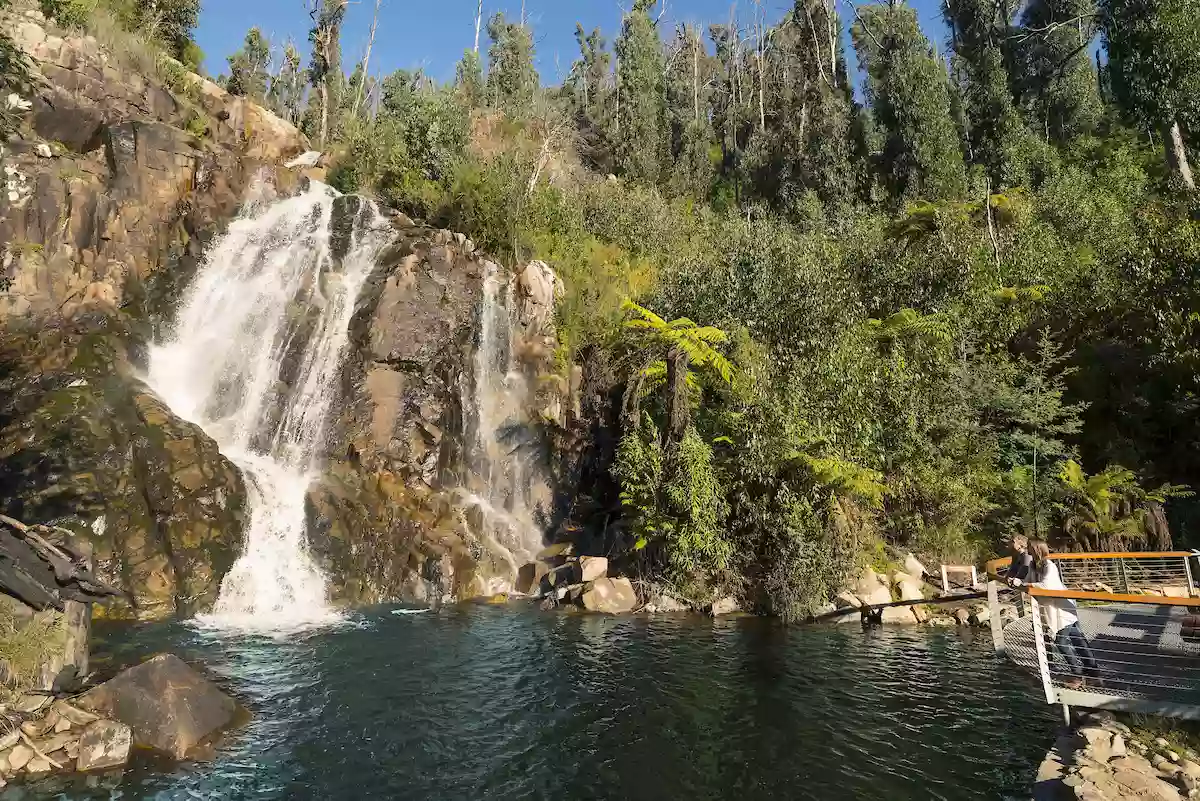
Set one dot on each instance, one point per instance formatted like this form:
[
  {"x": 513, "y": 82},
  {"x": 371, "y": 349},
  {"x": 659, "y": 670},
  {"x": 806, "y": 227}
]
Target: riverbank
[{"x": 1105, "y": 759}]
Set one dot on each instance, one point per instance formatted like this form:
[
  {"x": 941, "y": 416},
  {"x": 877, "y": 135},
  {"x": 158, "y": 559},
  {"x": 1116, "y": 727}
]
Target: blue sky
[{"x": 433, "y": 35}]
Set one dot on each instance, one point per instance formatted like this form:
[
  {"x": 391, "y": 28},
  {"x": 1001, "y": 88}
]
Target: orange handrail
[{"x": 1114, "y": 597}]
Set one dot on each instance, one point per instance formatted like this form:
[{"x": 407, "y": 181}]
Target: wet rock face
[
  {"x": 83, "y": 444},
  {"x": 118, "y": 201},
  {"x": 391, "y": 518}
]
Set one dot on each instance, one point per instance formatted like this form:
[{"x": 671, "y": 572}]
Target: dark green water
[{"x": 478, "y": 703}]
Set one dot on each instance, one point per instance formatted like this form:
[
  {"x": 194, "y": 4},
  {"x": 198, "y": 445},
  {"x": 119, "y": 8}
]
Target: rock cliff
[
  {"x": 435, "y": 482},
  {"x": 110, "y": 200},
  {"x": 432, "y": 481}
]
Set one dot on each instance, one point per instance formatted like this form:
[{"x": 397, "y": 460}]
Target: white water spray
[
  {"x": 254, "y": 360},
  {"x": 498, "y": 469}
]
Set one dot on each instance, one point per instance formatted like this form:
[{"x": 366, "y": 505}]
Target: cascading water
[
  {"x": 254, "y": 360},
  {"x": 498, "y": 467}
]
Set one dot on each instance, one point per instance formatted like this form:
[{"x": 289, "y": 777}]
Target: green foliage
[
  {"x": 996, "y": 135},
  {"x": 1103, "y": 511},
  {"x": 512, "y": 78},
  {"x": 908, "y": 90},
  {"x": 248, "y": 67},
  {"x": 468, "y": 79},
  {"x": 640, "y": 128},
  {"x": 1057, "y": 77},
  {"x": 676, "y": 507},
  {"x": 286, "y": 94},
  {"x": 1153, "y": 59},
  {"x": 695, "y": 340}
]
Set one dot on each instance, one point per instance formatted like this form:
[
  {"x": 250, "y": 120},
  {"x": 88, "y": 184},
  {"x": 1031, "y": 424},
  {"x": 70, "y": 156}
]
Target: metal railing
[
  {"x": 1168, "y": 574},
  {"x": 1134, "y": 650}
]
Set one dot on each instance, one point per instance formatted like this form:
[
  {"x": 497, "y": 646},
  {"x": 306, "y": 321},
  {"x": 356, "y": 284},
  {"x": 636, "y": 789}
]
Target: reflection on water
[{"x": 480, "y": 703}]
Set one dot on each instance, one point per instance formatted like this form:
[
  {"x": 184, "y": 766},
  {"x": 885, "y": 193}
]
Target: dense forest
[{"x": 954, "y": 304}]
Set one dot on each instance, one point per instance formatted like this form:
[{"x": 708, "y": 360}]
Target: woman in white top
[{"x": 1061, "y": 617}]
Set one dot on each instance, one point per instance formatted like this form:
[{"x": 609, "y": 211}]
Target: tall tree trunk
[
  {"x": 696, "y": 75},
  {"x": 323, "y": 93},
  {"x": 1177, "y": 157},
  {"x": 678, "y": 407},
  {"x": 478, "y": 24},
  {"x": 366, "y": 62},
  {"x": 762, "y": 70}
]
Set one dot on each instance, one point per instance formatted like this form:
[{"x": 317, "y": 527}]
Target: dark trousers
[{"x": 1073, "y": 647}]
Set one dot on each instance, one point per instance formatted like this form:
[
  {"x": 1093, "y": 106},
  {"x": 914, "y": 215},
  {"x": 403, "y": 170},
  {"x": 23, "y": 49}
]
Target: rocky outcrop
[
  {"x": 161, "y": 704},
  {"x": 402, "y": 512},
  {"x": 44, "y": 736},
  {"x": 168, "y": 706},
  {"x": 124, "y": 180},
  {"x": 46, "y": 591},
  {"x": 1110, "y": 764},
  {"x": 85, "y": 445}
]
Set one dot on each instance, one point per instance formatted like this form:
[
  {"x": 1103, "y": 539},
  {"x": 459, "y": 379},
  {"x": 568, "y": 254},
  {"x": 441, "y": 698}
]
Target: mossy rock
[{"x": 86, "y": 446}]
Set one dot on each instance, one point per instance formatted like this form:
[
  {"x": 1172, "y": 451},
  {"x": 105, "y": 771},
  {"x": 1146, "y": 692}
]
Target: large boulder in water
[
  {"x": 592, "y": 568},
  {"x": 168, "y": 705},
  {"x": 611, "y": 595}
]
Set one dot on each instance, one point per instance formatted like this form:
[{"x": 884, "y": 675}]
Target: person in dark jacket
[{"x": 1022, "y": 562}]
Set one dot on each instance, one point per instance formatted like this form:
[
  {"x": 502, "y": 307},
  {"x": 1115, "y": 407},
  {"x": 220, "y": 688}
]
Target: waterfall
[
  {"x": 497, "y": 488},
  {"x": 254, "y": 359}
]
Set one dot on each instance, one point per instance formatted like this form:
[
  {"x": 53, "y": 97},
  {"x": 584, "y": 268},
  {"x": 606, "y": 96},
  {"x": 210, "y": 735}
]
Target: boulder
[
  {"x": 32, "y": 703},
  {"x": 910, "y": 590},
  {"x": 664, "y": 603},
  {"x": 725, "y": 606},
  {"x": 104, "y": 744},
  {"x": 555, "y": 554},
  {"x": 903, "y": 615},
  {"x": 76, "y": 716},
  {"x": 913, "y": 567},
  {"x": 19, "y": 757},
  {"x": 168, "y": 705},
  {"x": 611, "y": 595},
  {"x": 529, "y": 577},
  {"x": 847, "y": 600},
  {"x": 592, "y": 568},
  {"x": 980, "y": 615}
]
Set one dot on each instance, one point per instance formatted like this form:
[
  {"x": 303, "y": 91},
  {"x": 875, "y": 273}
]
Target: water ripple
[{"x": 482, "y": 703}]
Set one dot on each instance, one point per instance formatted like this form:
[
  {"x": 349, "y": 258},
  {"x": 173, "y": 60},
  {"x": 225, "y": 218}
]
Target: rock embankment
[
  {"x": 1110, "y": 763},
  {"x": 872, "y": 588},
  {"x": 562, "y": 579},
  {"x": 161, "y": 704},
  {"x": 46, "y": 735}
]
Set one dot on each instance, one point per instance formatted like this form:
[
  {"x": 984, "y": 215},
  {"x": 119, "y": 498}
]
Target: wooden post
[
  {"x": 945, "y": 581},
  {"x": 993, "y": 591},
  {"x": 1187, "y": 567}
]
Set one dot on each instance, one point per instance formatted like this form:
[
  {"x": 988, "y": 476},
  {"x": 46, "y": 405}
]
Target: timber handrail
[{"x": 1113, "y": 597}]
